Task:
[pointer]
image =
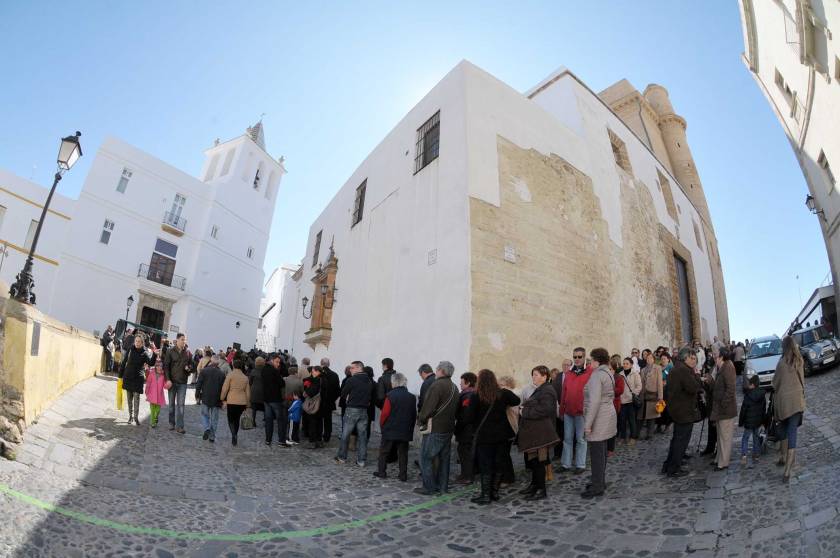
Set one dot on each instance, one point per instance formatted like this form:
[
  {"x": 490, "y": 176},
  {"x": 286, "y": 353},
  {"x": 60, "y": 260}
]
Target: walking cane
[{"x": 700, "y": 440}]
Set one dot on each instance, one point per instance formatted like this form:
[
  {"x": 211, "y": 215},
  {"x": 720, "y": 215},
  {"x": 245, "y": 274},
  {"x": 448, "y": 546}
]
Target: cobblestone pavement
[{"x": 87, "y": 484}]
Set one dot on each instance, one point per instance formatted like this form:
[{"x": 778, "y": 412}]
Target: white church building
[
  {"x": 500, "y": 229},
  {"x": 188, "y": 251}
]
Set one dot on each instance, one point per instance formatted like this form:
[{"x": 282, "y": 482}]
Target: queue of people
[{"x": 593, "y": 404}]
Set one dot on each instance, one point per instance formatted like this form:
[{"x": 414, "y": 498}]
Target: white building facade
[
  {"x": 189, "y": 251},
  {"x": 271, "y": 307},
  {"x": 795, "y": 61},
  {"x": 473, "y": 231}
]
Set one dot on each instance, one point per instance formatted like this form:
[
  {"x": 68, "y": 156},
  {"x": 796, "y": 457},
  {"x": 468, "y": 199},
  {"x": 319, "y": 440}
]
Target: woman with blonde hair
[
  {"x": 652, "y": 393},
  {"x": 789, "y": 401}
]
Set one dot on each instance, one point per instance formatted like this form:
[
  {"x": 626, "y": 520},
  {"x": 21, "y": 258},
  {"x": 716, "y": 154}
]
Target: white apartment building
[
  {"x": 794, "y": 58},
  {"x": 490, "y": 227},
  {"x": 188, "y": 250}
]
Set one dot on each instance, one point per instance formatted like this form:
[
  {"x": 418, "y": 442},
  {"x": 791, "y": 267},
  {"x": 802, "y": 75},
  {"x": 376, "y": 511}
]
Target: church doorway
[{"x": 152, "y": 317}]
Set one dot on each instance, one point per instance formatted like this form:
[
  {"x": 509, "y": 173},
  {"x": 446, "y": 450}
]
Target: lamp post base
[{"x": 22, "y": 289}]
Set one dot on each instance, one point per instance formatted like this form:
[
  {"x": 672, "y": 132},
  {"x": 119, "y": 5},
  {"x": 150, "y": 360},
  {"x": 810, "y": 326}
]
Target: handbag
[
  {"x": 119, "y": 394},
  {"x": 311, "y": 405},
  {"x": 247, "y": 422},
  {"x": 637, "y": 400},
  {"x": 427, "y": 428}
]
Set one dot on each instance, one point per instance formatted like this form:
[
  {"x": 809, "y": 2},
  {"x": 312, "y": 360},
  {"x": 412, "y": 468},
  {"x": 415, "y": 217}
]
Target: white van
[{"x": 762, "y": 359}]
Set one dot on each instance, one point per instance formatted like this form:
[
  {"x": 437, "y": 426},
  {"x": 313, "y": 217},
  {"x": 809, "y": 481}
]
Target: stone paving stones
[{"x": 83, "y": 457}]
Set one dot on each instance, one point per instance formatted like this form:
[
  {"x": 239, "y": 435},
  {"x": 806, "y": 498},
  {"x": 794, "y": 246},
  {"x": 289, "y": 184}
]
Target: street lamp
[
  {"x": 128, "y": 304},
  {"x": 68, "y": 154},
  {"x": 811, "y": 204}
]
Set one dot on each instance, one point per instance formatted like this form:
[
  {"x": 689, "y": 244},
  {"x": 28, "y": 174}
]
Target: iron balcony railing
[
  {"x": 175, "y": 221},
  {"x": 162, "y": 276}
]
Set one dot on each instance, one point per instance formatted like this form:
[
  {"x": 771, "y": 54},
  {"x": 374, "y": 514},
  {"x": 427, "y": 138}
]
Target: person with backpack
[{"x": 751, "y": 417}]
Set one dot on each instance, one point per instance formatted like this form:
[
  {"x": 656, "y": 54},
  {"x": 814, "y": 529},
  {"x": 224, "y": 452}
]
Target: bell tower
[{"x": 672, "y": 126}]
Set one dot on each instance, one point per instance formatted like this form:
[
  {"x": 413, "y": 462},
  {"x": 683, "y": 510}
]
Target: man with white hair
[
  {"x": 437, "y": 424},
  {"x": 399, "y": 412}
]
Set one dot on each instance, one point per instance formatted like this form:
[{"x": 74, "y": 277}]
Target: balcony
[
  {"x": 173, "y": 223},
  {"x": 162, "y": 276}
]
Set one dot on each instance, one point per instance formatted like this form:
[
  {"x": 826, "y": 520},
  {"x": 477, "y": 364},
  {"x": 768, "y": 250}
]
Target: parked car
[
  {"x": 762, "y": 359},
  {"x": 818, "y": 347}
]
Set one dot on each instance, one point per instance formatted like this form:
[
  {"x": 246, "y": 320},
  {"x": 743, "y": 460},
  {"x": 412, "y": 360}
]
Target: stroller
[{"x": 770, "y": 429}]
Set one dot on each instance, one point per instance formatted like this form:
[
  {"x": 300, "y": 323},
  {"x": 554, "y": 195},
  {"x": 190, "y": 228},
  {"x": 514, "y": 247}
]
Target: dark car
[{"x": 818, "y": 347}]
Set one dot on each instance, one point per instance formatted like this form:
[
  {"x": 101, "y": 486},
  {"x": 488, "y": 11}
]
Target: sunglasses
[{"x": 578, "y": 357}]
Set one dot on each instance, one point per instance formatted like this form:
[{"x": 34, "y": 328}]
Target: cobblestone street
[{"x": 87, "y": 484}]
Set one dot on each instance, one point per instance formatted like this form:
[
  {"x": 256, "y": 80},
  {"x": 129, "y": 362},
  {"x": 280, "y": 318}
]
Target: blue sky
[{"x": 334, "y": 78}]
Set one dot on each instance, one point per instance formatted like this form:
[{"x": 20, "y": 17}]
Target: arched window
[
  {"x": 258, "y": 176},
  {"x": 211, "y": 169},
  {"x": 228, "y": 161},
  {"x": 269, "y": 187}
]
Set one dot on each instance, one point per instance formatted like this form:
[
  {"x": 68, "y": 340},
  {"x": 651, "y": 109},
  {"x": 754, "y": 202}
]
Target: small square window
[
  {"x": 250, "y": 253},
  {"x": 619, "y": 149},
  {"x": 123, "y": 183},
  {"x": 214, "y": 231}
]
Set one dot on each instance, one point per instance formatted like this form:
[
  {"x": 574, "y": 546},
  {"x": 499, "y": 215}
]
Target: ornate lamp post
[
  {"x": 68, "y": 154},
  {"x": 128, "y": 304}
]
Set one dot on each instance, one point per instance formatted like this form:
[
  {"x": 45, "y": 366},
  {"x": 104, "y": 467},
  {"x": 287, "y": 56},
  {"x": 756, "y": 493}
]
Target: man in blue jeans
[
  {"x": 356, "y": 392},
  {"x": 275, "y": 405},
  {"x": 208, "y": 391},
  {"x": 177, "y": 365},
  {"x": 440, "y": 406}
]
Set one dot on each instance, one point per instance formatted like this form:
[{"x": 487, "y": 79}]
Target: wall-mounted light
[
  {"x": 305, "y": 302},
  {"x": 811, "y": 204},
  {"x": 237, "y": 324}
]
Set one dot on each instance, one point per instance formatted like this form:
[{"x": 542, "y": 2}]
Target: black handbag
[{"x": 637, "y": 400}]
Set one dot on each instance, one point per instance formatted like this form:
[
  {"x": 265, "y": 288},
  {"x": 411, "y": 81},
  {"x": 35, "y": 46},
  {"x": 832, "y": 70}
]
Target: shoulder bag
[
  {"x": 427, "y": 428},
  {"x": 311, "y": 405},
  {"x": 637, "y": 399}
]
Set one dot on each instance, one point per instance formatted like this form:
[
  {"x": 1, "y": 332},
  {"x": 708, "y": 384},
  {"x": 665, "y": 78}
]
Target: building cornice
[
  {"x": 662, "y": 166},
  {"x": 32, "y": 202}
]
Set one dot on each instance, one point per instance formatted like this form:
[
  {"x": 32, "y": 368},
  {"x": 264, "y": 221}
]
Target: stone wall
[
  {"x": 569, "y": 284},
  {"x": 40, "y": 358}
]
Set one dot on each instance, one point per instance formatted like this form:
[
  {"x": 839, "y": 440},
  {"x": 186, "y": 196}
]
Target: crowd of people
[{"x": 588, "y": 407}]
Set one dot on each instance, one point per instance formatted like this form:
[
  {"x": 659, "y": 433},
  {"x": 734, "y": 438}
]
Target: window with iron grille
[
  {"x": 822, "y": 161},
  {"x": 428, "y": 142},
  {"x": 123, "y": 183},
  {"x": 317, "y": 249},
  {"x": 359, "y": 205},
  {"x": 107, "y": 229}
]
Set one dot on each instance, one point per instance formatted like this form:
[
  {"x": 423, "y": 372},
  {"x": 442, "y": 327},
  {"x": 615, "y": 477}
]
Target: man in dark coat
[
  {"x": 357, "y": 393},
  {"x": 384, "y": 384},
  {"x": 330, "y": 390},
  {"x": 428, "y": 377},
  {"x": 396, "y": 421},
  {"x": 683, "y": 387},
  {"x": 274, "y": 386},
  {"x": 208, "y": 390}
]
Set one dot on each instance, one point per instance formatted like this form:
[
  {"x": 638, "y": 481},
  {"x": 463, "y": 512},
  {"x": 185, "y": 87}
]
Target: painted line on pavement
[{"x": 248, "y": 537}]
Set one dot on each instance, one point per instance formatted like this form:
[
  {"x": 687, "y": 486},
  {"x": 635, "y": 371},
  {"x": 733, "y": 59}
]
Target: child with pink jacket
[{"x": 155, "y": 385}]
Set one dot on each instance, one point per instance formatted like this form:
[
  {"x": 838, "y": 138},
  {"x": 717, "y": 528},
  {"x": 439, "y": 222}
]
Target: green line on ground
[{"x": 248, "y": 537}]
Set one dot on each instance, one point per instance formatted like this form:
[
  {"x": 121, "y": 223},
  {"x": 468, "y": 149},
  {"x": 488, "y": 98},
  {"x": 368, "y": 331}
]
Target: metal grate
[
  {"x": 175, "y": 221},
  {"x": 359, "y": 205},
  {"x": 163, "y": 275},
  {"x": 317, "y": 249},
  {"x": 428, "y": 143}
]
